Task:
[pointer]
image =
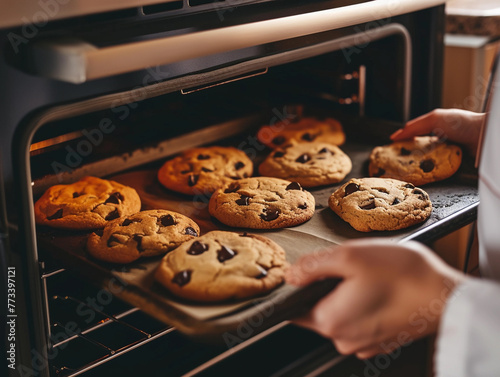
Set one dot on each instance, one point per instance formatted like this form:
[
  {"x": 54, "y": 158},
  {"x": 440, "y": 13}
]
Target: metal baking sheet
[{"x": 134, "y": 283}]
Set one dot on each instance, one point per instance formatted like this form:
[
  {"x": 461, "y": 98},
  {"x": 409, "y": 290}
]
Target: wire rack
[{"x": 83, "y": 323}]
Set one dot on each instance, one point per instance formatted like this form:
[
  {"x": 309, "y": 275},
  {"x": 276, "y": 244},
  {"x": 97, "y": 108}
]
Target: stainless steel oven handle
[{"x": 77, "y": 61}]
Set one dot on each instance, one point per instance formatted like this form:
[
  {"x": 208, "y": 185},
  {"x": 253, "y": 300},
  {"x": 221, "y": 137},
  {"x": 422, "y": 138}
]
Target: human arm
[
  {"x": 456, "y": 125},
  {"x": 390, "y": 294}
]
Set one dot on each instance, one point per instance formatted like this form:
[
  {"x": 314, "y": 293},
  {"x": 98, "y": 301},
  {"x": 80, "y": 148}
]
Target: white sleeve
[{"x": 468, "y": 343}]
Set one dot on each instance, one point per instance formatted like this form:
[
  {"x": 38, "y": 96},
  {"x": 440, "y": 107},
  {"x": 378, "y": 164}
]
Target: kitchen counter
[{"x": 473, "y": 17}]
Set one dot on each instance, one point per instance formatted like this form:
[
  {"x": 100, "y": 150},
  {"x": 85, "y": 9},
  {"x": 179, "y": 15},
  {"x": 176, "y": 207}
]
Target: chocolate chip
[
  {"x": 269, "y": 214},
  {"x": 239, "y": 165},
  {"x": 113, "y": 239},
  {"x": 245, "y": 234},
  {"x": 182, "y": 278},
  {"x": 127, "y": 222},
  {"x": 76, "y": 195},
  {"x": 396, "y": 201},
  {"x": 185, "y": 171},
  {"x": 166, "y": 220},
  {"x": 404, "y": 152},
  {"x": 278, "y": 140},
  {"x": 138, "y": 238},
  {"x": 243, "y": 200},
  {"x": 370, "y": 205},
  {"x": 197, "y": 248},
  {"x": 57, "y": 215},
  {"x": 190, "y": 231},
  {"x": 427, "y": 166},
  {"x": 294, "y": 186},
  {"x": 235, "y": 177},
  {"x": 278, "y": 154},
  {"x": 325, "y": 150},
  {"x": 350, "y": 188},
  {"x": 225, "y": 253},
  {"x": 303, "y": 206},
  {"x": 233, "y": 187},
  {"x": 262, "y": 274},
  {"x": 303, "y": 158},
  {"x": 206, "y": 170},
  {"x": 409, "y": 185},
  {"x": 114, "y": 198},
  {"x": 203, "y": 157},
  {"x": 112, "y": 215},
  {"x": 308, "y": 137},
  {"x": 379, "y": 173},
  {"x": 421, "y": 194},
  {"x": 193, "y": 178}
]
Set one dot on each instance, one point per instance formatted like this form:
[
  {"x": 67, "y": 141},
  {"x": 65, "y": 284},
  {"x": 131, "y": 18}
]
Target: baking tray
[{"x": 454, "y": 201}]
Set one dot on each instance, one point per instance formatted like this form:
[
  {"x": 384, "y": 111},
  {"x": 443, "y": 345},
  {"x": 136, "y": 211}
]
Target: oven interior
[
  {"x": 371, "y": 89},
  {"x": 325, "y": 85}
]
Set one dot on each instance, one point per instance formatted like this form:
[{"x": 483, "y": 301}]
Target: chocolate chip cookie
[
  {"x": 370, "y": 204},
  {"x": 310, "y": 164},
  {"x": 298, "y": 130},
  {"x": 144, "y": 234},
  {"x": 420, "y": 161},
  {"x": 87, "y": 204},
  {"x": 203, "y": 170},
  {"x": 221, "y": 266},
  {"x": 262, "y": 203}
]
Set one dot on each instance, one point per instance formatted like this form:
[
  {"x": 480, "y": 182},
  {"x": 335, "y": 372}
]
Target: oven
[{"x": 113, "y": 91}]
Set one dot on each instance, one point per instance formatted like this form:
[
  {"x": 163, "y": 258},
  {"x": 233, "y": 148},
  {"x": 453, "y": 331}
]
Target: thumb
[{"x": 317, "y": 266}]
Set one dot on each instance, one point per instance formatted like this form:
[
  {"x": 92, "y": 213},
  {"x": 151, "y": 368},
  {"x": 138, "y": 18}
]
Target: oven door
[{"x": 81, "y": 56}]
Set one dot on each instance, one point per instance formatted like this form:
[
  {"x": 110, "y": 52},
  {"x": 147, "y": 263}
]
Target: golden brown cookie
[
  {"x": 262, "y": 203},
  {"x": 143, "y": 234},
  {"x": 298, "y": 130},
  {"x": 203, "y": 170},
  {"x": 222, "y": 266},
  {"x": 89, "y": 203},
  {"x": 310, "y": 164},
  {"x": 423, "y": 160},
  {"x": 370, "y": 204}
]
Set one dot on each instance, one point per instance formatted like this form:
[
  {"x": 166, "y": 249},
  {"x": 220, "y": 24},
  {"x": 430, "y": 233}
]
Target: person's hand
[
  {"x": 390, "y": 294},
  {"x": 458, "y": 126}
]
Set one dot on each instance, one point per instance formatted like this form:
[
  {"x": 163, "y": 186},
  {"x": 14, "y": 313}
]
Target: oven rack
[
  {"x": 319, "y": 355},
  {"x": 88, "y": 334},
  {"x": 93, "y": 341}
]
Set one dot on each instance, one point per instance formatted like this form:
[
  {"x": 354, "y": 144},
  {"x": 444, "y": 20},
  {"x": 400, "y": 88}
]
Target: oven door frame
[{"x": 33, "y": 121}]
